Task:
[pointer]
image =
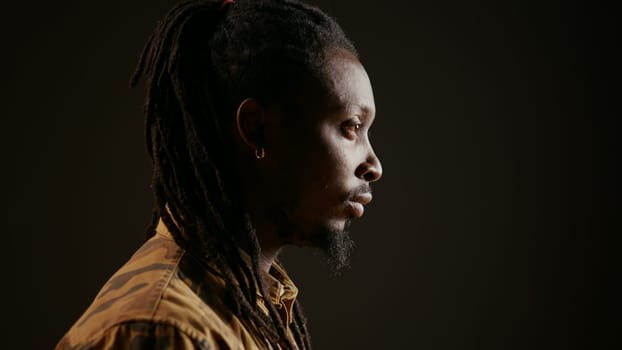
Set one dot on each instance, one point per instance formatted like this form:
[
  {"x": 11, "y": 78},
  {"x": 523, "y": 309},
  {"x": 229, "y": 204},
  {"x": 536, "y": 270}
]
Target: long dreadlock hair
[{"x": 201, "y": 61}]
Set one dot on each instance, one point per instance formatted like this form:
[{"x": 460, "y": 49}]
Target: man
[{"x": 257, "y": 119}]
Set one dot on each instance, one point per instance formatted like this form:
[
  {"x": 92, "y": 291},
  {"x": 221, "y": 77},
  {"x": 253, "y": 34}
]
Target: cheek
[
  {"x": 311, "y": 173},
  {"x": 327, "y": 172},
  {"x": 332, "y": 168},
  {"x": 288, "y": 171}
]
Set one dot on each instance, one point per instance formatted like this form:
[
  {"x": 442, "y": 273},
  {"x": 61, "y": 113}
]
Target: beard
[{"x": 337, "y": 246}]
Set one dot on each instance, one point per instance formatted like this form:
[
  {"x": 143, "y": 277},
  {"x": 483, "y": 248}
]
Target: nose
[{"x": 371, "y": 169}]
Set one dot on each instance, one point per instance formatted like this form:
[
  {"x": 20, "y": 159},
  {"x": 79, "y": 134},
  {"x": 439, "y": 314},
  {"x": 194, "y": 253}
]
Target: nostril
[
  {"x": 368, "y": 172},
  {"x": 372, "y": 175}
]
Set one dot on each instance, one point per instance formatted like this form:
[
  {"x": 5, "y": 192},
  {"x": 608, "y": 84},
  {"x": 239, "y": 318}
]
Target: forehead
[{"x": 347, "y": 84}]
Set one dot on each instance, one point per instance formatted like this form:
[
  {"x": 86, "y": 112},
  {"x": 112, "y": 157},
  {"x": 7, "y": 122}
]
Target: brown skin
[{"x": 318, "y": 163}]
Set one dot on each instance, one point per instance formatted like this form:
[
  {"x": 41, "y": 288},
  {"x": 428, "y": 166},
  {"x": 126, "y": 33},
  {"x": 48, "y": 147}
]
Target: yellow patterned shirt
[{"x": 162, "y": 298}]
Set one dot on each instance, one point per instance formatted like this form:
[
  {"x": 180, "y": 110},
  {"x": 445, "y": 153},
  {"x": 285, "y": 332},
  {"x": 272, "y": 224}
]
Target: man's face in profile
[{"x": 320, "y": 161}]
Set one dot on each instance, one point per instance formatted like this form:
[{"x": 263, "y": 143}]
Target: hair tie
[{"x": 225, "y": 3}]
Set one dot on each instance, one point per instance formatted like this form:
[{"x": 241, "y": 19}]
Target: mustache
[{"x": 362, "y": 189}]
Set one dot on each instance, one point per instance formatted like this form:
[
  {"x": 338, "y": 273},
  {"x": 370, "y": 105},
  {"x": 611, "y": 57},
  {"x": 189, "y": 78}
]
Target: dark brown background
[{"x": 491, "y": 229}]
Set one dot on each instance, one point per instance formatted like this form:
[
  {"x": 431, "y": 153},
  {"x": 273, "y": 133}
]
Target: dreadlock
[{"x": 201, "y": 61}]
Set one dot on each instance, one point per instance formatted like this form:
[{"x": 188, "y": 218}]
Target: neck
[
  {"x": 254, "y": 197},
  {"x": 266, "y": 259},
  {"x": 269, "y": 244}
]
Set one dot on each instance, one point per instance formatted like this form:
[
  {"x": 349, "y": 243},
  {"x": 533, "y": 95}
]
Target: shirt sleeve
[{"x": 142, "y": 335}]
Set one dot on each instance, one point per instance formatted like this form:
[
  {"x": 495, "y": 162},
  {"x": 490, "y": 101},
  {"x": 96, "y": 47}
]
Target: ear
[{"x": 249, "y": 120}]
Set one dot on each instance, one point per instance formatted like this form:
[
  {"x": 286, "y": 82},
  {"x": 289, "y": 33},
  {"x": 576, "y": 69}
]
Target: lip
[
  {"x": 357, "y": 209},
  {"x": 363, "y": 198},
  {"x": 358, "y": 202}
]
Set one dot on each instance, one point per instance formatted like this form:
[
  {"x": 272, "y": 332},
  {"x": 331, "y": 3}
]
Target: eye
[{"x": 350, "y": 128}]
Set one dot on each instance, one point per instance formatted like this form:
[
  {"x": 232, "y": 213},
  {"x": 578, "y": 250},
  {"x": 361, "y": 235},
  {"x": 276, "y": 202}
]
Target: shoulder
[
  {"x": 148, "y": 301},
  {"x": 139, "y": 335}
]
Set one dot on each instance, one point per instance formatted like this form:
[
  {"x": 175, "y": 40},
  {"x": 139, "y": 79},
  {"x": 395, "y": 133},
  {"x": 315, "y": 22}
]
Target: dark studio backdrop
[{"x": 491, "y": 229}]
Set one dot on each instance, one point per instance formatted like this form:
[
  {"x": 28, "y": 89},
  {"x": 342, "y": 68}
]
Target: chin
[
  {"x": 319, "y": 236},
  {"x": 331, "y": 237},
  {"x": 336, "y": 244}
]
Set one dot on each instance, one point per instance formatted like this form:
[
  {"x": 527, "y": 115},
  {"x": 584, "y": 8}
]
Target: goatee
[{"x": 337, "y": 247}]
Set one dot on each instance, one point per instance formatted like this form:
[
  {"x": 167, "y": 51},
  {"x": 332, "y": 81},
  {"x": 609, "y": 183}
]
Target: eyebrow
[
  {"x": 367, "y": 112},
  {"x": 365, "y": 109}
]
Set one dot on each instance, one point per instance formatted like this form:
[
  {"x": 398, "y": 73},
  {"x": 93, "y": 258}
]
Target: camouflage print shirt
[{"x": 164, "y": 299}]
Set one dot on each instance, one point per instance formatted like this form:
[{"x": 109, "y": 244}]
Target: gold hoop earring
[{"x": 260, "y": 153}]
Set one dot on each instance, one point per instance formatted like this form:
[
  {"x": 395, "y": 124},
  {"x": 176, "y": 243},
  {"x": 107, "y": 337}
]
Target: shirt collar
[{"x": 279, "y": 286}]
